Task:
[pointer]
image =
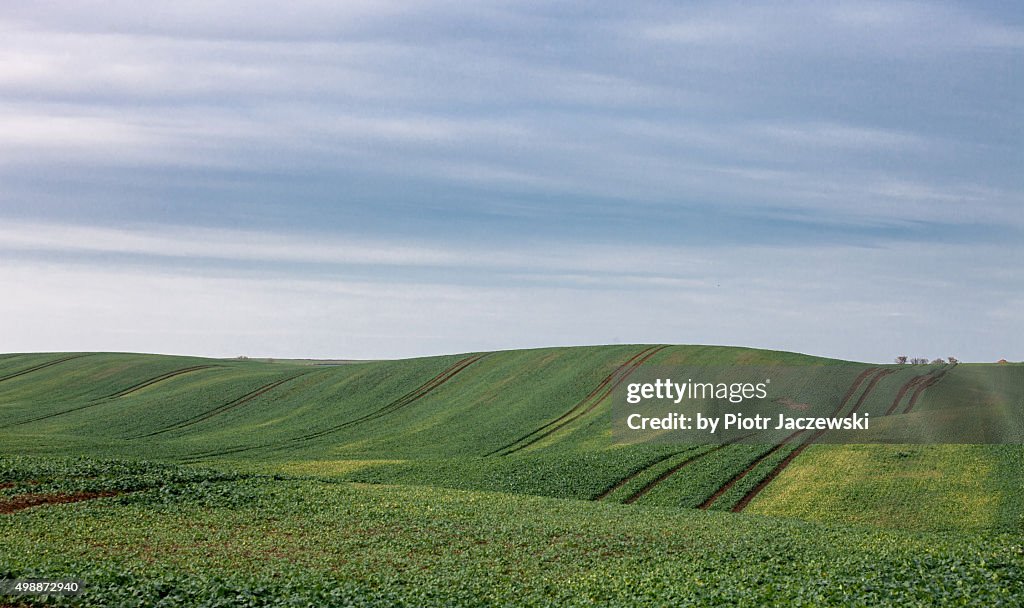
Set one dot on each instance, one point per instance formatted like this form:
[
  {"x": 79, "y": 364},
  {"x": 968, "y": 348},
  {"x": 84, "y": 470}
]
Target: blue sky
[{"x": 373, "y": 179}]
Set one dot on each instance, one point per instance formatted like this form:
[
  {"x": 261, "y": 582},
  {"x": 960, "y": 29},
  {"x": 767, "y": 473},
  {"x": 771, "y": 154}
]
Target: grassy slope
[
  {"x": 920, "y": 486},
  {"x": 190, "y": 538},
  {"x": 907, "y": 525},
  {"x": 356, "y": 422}
]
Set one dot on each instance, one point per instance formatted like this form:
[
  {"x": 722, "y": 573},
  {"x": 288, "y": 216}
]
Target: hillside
[{"x": 532, "y": 422}]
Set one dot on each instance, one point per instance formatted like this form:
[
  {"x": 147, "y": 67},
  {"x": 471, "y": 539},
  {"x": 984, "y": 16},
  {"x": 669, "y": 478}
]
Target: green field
[{"x": 492, "y": 479}]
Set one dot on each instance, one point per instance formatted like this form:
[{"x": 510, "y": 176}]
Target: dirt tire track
[
  {"x": 222, "y": 408},
  {"x": 200, "y": 456},
  {"x": 923, "y": 386},
  {"x": 166, "y": 376},
  {"x": 842, "y": 403},
  {"x": 594, "y": 398},
  {"x": 761, "y": 485},
  {"x": 633, "y": 475},
  {"x": 853, "y": 389},
  {"x": 743, "y": 502},
  {"x": 403, "y": 401},
  {"x": 675, "y": 469},
  {"x": 909, "y": 384},
  {"x": 669, "y": 473},
  {"x": 753, "y": 465},
  {"x": 96, "y": 402},
  {"x": 578, "y": 404},
  {"x": 867, "y": 391},
  {"x": 40, "y": 366}
]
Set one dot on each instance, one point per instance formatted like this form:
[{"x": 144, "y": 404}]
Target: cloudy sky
[{"x": 382, "y": 179}]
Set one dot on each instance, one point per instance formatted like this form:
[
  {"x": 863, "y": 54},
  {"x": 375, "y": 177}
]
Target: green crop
[
  {"x": 205, "y": 540},
  {"x": 492, "y": 479}
]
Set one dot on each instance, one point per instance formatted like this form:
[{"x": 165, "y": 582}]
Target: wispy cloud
[
  {"x": 860, "y": 298},
  {"x": 498, "y": 157}
]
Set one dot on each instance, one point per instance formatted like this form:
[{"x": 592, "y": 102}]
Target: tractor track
[
  {"x": 743, "y": 502},
  {"x": 923, "y": 386},
  {"x": 40, "y": 366},
  {"x": 166, "y": 376},
  {"x": 630, "y": 477},
  {"x": 675, "y": 469},
  {"x": 909, "y": 384},
  {"x": 914, "y": 383},
  {"x": 583, "y": 406},
  {"x": 761, "y": 485},
  {"x": 403, "y": 401},
  {"x": 654, "y": 483},
  {"x": 757, "y": 461},
  {"x": 867, "y": 391},
  {"x": 200, "y": 456},
  {"x": 735, "y": 478},
  {"x": 230, "y": 405},
  {"x": 578, "y": 404},
  {"x": 101, "y": 400},
  {"x": 394, "y": 405}
]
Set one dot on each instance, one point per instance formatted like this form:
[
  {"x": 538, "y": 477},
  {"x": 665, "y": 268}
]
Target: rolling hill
[
  {"x": 532, "y": 421},
  {"x": 521, "y": 424}
]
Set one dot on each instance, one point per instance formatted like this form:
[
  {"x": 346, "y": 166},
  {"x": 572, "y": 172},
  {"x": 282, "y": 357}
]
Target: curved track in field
[
  {"x": 923, "y": 386},
  {"x": 583, "y": 406},
  {"x": 40, "y": 366},
  {"x": 672, "y": 471},
  {"x": 628, "y": 478},
  {"x": 749, "y": 496},
  {"x": 907, "y": 386},
  {"x": 121, "y": 393},
  {"x": 669, "y": 473},
  {"x": 867, "y": 391},
  {"x": 753, "y": 465},
  {"x": 230, "y": 405},
  {"x": 156, "y": 379},
  {"x": 399, "y": 403},
  {"x": 403, "y": 401},
  {"x": 785, "y": 442}
]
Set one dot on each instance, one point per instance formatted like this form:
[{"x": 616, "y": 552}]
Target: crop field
[{"x": 494, "y": 479}]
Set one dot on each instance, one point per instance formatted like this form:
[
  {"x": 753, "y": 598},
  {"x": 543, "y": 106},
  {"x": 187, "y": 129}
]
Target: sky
[{"x": 382, "y": 179}]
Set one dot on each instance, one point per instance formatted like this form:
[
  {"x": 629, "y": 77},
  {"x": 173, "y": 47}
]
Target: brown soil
[
  {"x": 25, "y": 501},
  {"x": 903, "y": 391},
  {"x": 922, "y": 387}
]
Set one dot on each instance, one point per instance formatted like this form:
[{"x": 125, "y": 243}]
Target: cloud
[
  {"x": 464, "y": 175},
  {"x": 846, "y": 27},
  {"x": 859, "y": 298},
  {"x": 197, "y": 243}
]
